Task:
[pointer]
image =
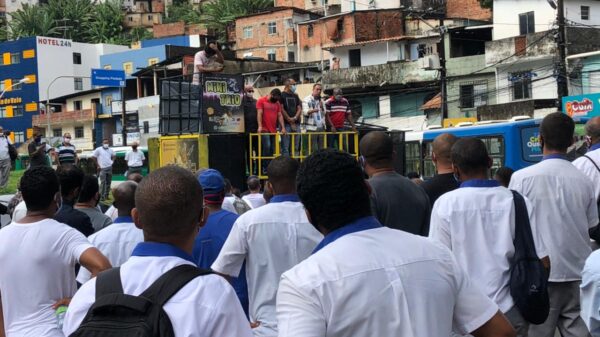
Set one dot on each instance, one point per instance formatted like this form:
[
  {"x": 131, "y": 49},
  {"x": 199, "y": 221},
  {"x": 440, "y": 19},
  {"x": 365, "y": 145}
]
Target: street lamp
[{"x": 21, "y": 81}]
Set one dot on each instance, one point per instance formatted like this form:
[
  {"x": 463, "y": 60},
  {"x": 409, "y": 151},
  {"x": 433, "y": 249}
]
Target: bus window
[
  {"x": 413, "y": 157},
  {"x": 428, "y": 167},
  {"x": 495, "y": 147},
  {"x": 530, "y": 144}
]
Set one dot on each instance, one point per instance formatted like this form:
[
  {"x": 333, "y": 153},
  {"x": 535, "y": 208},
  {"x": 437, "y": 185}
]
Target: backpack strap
[
  {"x": 524, "y": 244},
  {"x": 593, "y": 162},
  {"x": 109, "y": 282},
  {"x": 171, "y": 282}
]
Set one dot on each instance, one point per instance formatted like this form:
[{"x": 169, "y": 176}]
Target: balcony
[
  {"x": 67, "y": 117},
  {"x": 393, "y": 73}
]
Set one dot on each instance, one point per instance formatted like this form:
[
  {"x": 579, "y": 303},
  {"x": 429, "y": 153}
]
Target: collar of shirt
[
  {"x": 123, "y": 219},
  {"x": 285, "y": 197},
  {"x": 594, "y": 147},
  {"x": 359, "y": 225},
  {"x": 480, "y": 183},
  {"x": 160, "y": 249},
  {"x": 555, "y": 156}
]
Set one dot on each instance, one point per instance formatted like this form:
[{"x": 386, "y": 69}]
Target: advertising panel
[
  {"x": 181, "y": 151},
  {"x": 222, "y": 110},
  {"x": 582, "y": 105}
]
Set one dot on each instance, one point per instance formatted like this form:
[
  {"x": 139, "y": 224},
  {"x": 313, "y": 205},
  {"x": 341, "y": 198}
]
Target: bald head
[
  {"x": 124, "y": 195},
  {"x": 592, "y": 129},
  {"x": 378, "y": 149},
  {"x": 442, "y": 148}
]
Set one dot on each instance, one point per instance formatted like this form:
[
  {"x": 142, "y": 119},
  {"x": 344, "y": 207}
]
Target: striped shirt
[
  {"x": 66, "y": 154},
  {"x": 337, "y": 110}
]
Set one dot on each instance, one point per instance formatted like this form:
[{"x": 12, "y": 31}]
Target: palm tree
[
  {"x": 107, "y": 24},
  {"x": 31, "y": 20},
  {"x": 72, "y": 16},
  {"x": 219, "y": 13}
]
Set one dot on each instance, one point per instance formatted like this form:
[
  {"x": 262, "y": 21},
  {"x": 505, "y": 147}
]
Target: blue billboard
[
  {"x": 108, "y": 78},
  {"x": 582, "y": 105}
]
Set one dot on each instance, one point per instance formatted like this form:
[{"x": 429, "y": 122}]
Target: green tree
[
  {"x": 31, "y": 20},
  {"x": 218, "y": 13},
  {"x": 487, "y": 3},
  {"x": 182, "y": 12},
  {"x": 107, "y": 24},
  {"x": 139, "y": 34},
  {"x": 72, "y": 17}
]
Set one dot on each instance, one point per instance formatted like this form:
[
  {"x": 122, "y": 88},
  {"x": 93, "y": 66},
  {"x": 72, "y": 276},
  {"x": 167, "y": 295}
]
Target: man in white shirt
[
  {"x": 477, "y": 223},
  {"x": 5, "y": 162},
  {"x": 313, "y": 119},
  {"x": 271, "y": 239},
  {"x": 104, "y": 157},
  {"x": 590, "y": 293},
  {"x": 564, "y": 208},
  {"x": 589, "y": 164},
  {"x": 135, "y": 159},
  {"x": 38, "y": 257},
  {"x": 118, "y": 240},
  {"x": 365, "y": 279},
  {"x": 169, "y": 211},
  {"x": 232, "y": 202},
  {"x": 209, "y": 60},
  {"x": 112, "y": 211},
  {"x": 254, "y": 198}
]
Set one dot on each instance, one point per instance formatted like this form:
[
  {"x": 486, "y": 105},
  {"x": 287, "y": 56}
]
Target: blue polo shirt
[{"x": 208, "y": 244}]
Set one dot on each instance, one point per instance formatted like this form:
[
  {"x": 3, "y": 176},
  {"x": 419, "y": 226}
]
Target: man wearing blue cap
[{"x": 212, "y": 236}]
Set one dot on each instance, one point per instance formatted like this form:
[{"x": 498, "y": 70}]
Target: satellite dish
[{"x": 552, "y": 3}]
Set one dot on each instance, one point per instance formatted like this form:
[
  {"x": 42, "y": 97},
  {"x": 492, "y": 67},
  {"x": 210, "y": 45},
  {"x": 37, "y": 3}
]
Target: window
[
  {"x": 473, "y": 95},
  {"x": 17, "y": 111},
  {"x": 291, "y": 56},
  {"x": 412, "y": 152},
  {"x": 19, "y": 137},
  {"x": 146, "y": 127},
  {"x": 1, "y": 86},
  {"x": 16, "y": 85},
  {"x": 108, "y": 101},
  {"x": 149, "y": 17},
  {"x": 57, "y": 132},
  {"x": 272, "y": 28},
  {"x": 79, "y": 132},
  {"x": 78, "y": 83},
  {"x": 424, "y": 50},
  {"x": 76, "y": 58},
  {"x": 271, "y": 55},
  {"x": 248, "y": 32},
  {"x": 354, "y": 56},
  {"x": 153, "y": 61},
  {"x": 526, "y": 23},
  {"x": 128, "y": 67},
  {"x": 77, "y": 105},
  {"x": 289, "y": 23},
  {"x": 521, "y": 84},
  {"x": 15, "y": 58},
  {"x": 585, "y": 12},
  {"x": 340, "y": 25},
  {"x": 2, "y": 112},
  {"x": 311, "y": 30},
  {"x": 130, "y": 18}
]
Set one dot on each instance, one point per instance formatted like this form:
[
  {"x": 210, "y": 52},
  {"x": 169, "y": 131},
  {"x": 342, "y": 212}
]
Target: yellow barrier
[{"x": 310, "y": 142}]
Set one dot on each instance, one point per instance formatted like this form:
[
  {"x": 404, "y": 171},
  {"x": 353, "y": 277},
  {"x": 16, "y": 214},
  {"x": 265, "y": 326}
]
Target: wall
[
  {"x": 290, "y": 3},
  {"x": 86, "y": 101},
  {"x": 138, "y": 57},
  {"x": 573, "y": 12},
  {"x": 506, "y": 16},
  {"x": 453, "y": 97},
  {"x": 543, "y": 83},
  {"x": 467, "y": 9},
  {"x": 370, "y": 54},
  {"x": 81, "y": 144},
  {"x": 184, "y": 40},
  {"x": 351, "y": 5}
]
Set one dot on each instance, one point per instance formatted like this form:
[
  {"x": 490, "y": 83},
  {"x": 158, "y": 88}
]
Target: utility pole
[
  {"x": 561, "y": 45},
  {"x": 123, "y": 118},
  {"x": 443, "y": 82}
]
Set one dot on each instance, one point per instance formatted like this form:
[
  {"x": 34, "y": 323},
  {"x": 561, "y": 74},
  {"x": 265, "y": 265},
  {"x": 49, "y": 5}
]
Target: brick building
[{"x": 271, "y": 35}]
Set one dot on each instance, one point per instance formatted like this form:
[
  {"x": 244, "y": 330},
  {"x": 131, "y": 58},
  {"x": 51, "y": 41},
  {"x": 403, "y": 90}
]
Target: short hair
[
  {"x": 276, "y": 92},
  {"x": 70, "y": 178},
  {"x": 413, "y": 175},
  {"x": 557, "y": 131},
  {"x": 288, "y": 81},
  {"x": 503, "y": 175},
  {"x": 105, "y": 140},
  {"x": 135, "y": 177},
  {"x": 89, "y": 188},
  {"x": 328, "y": 182},
  {"x": 38, "y": 187},
  {"x": 442, "y": 147},
  {"x": 124, "y": 196},
  {"x": 470, "y": 155},
  {"x": 317, "y": 85},
  {"x": 168, "y": 202},
  {"x": 337, "y": 91},
  {"x": 253, "y": 183},
  {"x": 282, "y": 173},
  {"x": 592, "y": 127},
  {"x": 378, "y": 149}
]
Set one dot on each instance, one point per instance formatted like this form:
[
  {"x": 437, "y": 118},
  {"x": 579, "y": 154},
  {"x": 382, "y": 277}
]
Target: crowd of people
[{"x": 330, "y": 246}]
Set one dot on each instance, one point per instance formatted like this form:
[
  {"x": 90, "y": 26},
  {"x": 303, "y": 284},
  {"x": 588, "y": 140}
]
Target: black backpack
[
  {"x": 117, "y": 314},
  {"x": 528, "y": 277}
]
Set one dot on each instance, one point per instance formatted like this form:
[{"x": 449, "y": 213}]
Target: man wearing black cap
[{"x": 212, "y": 236}]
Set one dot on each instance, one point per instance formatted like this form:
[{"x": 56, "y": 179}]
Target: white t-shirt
[
  {"x": 587, "y": 167},
  {"x": 200, "y": 59},
  {"x": 205, "y": 307},
  {"x": 116, "y": 242},
  {"x": 135, "y": 158},
  {"x": 590, "y": 293},
  {"x": 565, "y": 208},
  {"x": 255, "y": 200},
  {"x": 271, "y": 239},
  {"x": 19, "y": 212},
  {"x": 37, "y": 269},
  {"x": 4, "y": 141},
  {"x": 104, "y": 157},
  {"x": 380, "y": 282},
  {"x": 478, "y": 225}
]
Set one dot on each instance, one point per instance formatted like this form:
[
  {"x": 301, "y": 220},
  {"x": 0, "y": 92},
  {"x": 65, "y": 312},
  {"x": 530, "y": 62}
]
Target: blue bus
[{"x": 510, "y": 143}]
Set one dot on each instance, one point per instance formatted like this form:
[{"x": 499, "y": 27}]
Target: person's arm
[
  {"x": 93, "y": 260},
  {"x": 350, "y": 119},
  {"x": 298, "y": 110},
  {"x": 298, "y": 315},
  {"x": 439, "y": 226},
  {"x": 328, "y": 117},
  {"x": 2, "y": 333},
  {"x": 259, "y": 116},
  {"x": 233, "y": 254},
  {"x": 281, "y": 123},
  {"x": 497, "y": 326}
]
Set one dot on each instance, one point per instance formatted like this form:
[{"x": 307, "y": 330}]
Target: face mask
[
  {"x": 67, "y": 140},
  {"x": 105, "y": 146},
  {"x": 338, "y": 97},
  {"x": 38, "y": 139},
  {"x": 250, "y": 94},
  {"x": 293, "y": 88}
]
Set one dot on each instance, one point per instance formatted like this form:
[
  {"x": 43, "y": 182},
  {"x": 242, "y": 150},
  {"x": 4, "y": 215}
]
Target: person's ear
[
  {"x": 433, "y": 158},
  {"x": 456, "y": 172},
  {"x": 136, "y": 218},
  {"x": 203, "y": 217},
  {"x": 368, "y": 186},
  {"x": 270, "y": 187}
]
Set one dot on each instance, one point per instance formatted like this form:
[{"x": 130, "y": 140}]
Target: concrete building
[
  {"x": 270, "y": 35},
  {"x": 323, "y": 7},
  {"x": 144, "y": 13},
  {"x": 54, "y": 67}
]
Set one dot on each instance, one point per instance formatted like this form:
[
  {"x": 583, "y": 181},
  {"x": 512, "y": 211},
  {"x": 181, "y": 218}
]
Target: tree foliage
[
  {"x": 183, "y": 11},
  {"x": 31, "y": 21},
  {"x": 487, "y": 3},
  {"x": 219, "y": 13}
]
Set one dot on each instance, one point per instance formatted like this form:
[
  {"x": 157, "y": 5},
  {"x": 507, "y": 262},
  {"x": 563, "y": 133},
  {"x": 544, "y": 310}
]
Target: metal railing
[{"x": 301, "y": 145}]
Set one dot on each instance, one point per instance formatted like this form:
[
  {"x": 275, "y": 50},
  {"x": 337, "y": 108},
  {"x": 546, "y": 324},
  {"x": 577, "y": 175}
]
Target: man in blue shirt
[{"x": 212, "y": 236}]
